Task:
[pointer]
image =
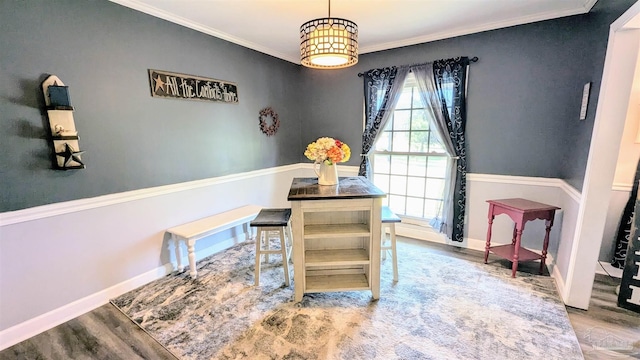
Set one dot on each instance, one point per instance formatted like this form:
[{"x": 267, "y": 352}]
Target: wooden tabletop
[
  {"x": 347, "y": 188},
  {"x": 522, "y": 204}
]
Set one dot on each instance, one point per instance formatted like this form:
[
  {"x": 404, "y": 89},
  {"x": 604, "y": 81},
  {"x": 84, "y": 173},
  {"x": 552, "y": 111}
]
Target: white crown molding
[
  {"x": 153, "y": 11},
  {"x": 476, "y": 29},
  {"x": 39, "y": 212},
  {"x": 588, "y": 5}
]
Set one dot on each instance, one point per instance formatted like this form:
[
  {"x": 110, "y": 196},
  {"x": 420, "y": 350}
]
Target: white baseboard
[
  {"x": 32, "y": 327},
  {"x": 44, "y": 322}
]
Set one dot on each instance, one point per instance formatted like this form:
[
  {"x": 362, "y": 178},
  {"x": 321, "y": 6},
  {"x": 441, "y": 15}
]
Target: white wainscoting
[
  {"x": 483, "y": 187},
  {"x": 62, "y": 260}
]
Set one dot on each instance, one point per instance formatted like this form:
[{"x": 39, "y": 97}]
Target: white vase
[{"x": 327, "y": 174}]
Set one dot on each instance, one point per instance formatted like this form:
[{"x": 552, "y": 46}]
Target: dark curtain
[
  {"x": 451, "y": 82},
  {"x": 624, "y": 229},
  {"x": 382, "y": 89}
]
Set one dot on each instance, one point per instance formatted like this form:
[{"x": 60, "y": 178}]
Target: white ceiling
[{"x": 272, "y": 26}]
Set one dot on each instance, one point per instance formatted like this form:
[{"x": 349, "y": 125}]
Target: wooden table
[
  {"x": 520, "y": 211},
  {"x": 336, "y": 235}
]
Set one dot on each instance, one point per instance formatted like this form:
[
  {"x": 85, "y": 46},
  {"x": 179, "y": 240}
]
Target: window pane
[
  {"x": 419, "y": 120},
  {"x": 382, "y": 182},
  {"x": 431, "y": 208},
  {"x": 384, "y": 142},
  {"x": 399, "y": 164},
  {"x": 435, "y": 145},
  {"x": 435, "y": 188},
  {"x": 396, "y": 203},
  {"x": 401, "y": 120},
  {"x": 436, "y": 166},
  {"x": 398, "y": 185},
  {"x": 417, "y": 99},
  {"x": 414, "y": 206},
  {"x": 400, "y": 141},
  {"x": 415, "y": 187},
  {"x": 405, "y": 99},
  {"x": 420, "y": 141},
  {"x": 381, "y": 164},
  {"x": 415, "y": 183},
  {"x": 417, "y": 165},
  {"x": 389, "y": 125}
]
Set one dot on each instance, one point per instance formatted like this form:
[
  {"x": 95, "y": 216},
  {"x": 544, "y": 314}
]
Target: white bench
[{"x": 189, "y": 233}]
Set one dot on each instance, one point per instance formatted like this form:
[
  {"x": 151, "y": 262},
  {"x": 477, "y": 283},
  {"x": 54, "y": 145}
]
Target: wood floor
[
  {"x": 104, "y": 333},
  {"x": 605, "y": 331}
]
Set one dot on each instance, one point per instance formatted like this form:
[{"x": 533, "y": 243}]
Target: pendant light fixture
[{"x": 329, "y": 43}]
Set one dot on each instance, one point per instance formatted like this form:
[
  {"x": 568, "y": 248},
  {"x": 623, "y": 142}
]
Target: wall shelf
[{"x": 64, "y": 136}]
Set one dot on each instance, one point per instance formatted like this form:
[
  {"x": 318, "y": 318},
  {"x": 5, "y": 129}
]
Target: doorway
[{"x": 615, "y": 91}]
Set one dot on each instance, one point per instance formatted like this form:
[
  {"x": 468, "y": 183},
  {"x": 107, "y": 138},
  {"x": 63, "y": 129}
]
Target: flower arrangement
[{"x": 328, "y": 150}]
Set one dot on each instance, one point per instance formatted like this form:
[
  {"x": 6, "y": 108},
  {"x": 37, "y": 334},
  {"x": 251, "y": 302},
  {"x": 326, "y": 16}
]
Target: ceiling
[{"x": 272, "y": 26}]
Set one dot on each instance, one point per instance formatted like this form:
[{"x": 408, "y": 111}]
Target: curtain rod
[{"x": 473, "y": 59}]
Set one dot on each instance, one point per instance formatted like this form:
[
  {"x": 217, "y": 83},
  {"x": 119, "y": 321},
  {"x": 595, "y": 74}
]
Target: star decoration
[
  {"x": 159, "y": 83},
  {"x": 70, "y": 155}
]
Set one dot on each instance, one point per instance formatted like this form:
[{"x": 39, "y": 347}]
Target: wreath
[{"x": 275, "y": 123}]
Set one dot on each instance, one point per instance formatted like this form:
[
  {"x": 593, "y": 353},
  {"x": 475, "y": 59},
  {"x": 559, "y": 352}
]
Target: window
[{"x": 409, "y": 161}]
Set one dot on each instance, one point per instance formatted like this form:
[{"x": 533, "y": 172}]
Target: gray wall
[
  {"x": 523, "y": 105},
  {"x": 102, "y": 51},
  {"x": 524, "y": 93}
]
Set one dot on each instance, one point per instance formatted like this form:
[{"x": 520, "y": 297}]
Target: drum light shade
[{"x": 329, "y": 43}]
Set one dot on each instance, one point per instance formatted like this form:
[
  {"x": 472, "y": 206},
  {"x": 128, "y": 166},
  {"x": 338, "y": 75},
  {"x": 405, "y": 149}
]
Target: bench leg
[
  {"x": 178, "y": 252},
  {"x": 192, "y": 258}
]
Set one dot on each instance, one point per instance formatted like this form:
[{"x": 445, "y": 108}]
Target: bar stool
[
  {"x": 389, "y": 220},
  {"x": 273, "y": 222}
]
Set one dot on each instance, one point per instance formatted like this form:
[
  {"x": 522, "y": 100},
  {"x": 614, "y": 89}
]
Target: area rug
[{"x": 442, "y": 307}]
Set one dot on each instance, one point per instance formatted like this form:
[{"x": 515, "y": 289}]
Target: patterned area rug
[{"x": 442, "y": 308}]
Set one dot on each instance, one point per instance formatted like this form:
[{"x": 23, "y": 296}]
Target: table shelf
[
  {"x": 335, "y": 230},
  {"x": 336, "y": 257},
  {"x": 341, "y": 282},
  {"x": 507, "y": 251}
]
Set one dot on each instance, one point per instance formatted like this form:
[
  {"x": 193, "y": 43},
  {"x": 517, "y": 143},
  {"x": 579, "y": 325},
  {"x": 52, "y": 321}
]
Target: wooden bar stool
[
  {"x": 273, "y": 222},
  {"x": 389, "y": 220}
]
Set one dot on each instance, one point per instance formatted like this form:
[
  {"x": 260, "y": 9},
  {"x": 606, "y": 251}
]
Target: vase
[{"x": 327, "y": 174}]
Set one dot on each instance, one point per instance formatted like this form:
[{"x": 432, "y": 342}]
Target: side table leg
[
  {"x": 516, "y": 251},
  {"x": 515, "y": 233},
  {"x": 488, "y": 244},
  {"x": 545, "y": 245}
]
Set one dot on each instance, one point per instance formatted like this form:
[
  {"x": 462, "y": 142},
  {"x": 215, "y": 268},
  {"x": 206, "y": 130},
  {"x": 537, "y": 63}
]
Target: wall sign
[
  {"x": 585, "y": 100},
  {"x": 181, "y": 86}
]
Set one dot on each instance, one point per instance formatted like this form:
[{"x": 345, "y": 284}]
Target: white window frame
[{"x": 409, "y": 85}]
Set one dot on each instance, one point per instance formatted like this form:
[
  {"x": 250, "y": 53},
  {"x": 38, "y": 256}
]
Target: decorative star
[
  {"x": 70, "y": 155},
  {"x": 159, "y": 83}
]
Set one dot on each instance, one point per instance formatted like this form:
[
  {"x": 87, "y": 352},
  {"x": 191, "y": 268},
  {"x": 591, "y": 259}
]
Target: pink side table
[{"x": 520, "y": 211}]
